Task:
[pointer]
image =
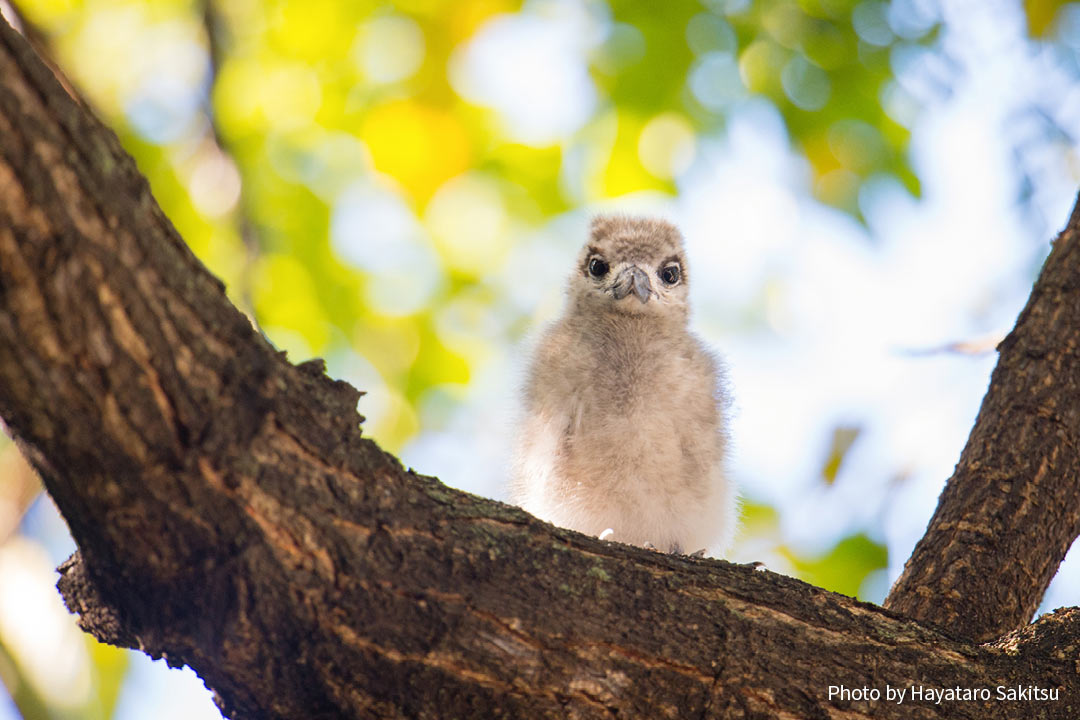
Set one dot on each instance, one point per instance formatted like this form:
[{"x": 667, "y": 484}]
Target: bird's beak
[{"x": 632, "y": 280}]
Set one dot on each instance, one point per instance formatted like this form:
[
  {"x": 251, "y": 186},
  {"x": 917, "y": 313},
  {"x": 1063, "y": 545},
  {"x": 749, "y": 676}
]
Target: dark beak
[{"x": 632, "y": 280}]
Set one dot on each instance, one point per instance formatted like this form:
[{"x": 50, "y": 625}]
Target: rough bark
[
  {"x": 230, "y": 515},
  {"x": 1011, "y": 510}
]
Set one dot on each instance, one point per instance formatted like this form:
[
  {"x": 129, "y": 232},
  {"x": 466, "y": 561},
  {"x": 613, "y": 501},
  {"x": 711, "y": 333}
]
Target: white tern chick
[{"x": 623, "y": 423}]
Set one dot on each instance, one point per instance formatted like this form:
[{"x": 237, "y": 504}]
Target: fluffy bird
[{"x": 623, "y": 433}]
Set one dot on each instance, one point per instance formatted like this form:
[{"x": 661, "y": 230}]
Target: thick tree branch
[
  {"x": 1012, "y": 507},
  {"x": 230, "y": 515},
  {"x": 40, "y": 42}
]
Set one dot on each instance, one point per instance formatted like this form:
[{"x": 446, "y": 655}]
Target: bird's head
[{"x": 631, "y": 265}]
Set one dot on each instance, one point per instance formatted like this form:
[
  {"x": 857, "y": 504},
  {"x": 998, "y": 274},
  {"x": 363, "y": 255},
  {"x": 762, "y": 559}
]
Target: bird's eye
[
  {"x": 670, "y": 274},
  {"x": 598, "y": 268}
]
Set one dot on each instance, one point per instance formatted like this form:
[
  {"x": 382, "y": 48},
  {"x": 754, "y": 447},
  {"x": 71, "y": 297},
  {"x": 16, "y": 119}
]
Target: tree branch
[
  {"x": 230, "y": 516},
  {"x": 1012, "y": 507}
]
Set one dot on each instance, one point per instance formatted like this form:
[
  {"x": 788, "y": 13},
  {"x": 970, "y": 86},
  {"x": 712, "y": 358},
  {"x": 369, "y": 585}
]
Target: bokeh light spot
[
  {"x": 707, "y": 32},
  {"x": 532, "y": 70},
  {"x": 623, "y": 47},
  {"x": 715, "y": 81},
  {"x": 666, "y": 145},
  {"x": 468, "y": 222},
  {"x": 760, "y": 66},
  {"x": 214, "y": 183},
  {"x": 805, "y": 84},
  {"x": 857, "y": 145},
  {"x": 374, "y": 230},
  {"x": 871, "y": 23},
  {"x": 418, "y": 145},
  {"x": 389, "y": 49}
]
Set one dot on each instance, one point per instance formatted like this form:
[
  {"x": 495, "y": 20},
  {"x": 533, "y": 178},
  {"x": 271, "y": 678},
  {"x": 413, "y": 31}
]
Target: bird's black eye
[
  {"x": 598, "y": 268},
  {"x": 670, "y": 274}
]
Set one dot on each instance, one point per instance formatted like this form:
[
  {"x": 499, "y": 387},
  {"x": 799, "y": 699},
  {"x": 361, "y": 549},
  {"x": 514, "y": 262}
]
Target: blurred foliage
[
  {"x": 272, "y": 115},
  {"x": 826, "y": 65},
  {"x": 843, "y": 438},
  {"x": 1042, "y": 15},
  {"x": 106, "y": 668},
  {"x": 109, "y": 665},
  {"x": 844, "y": 568},
  {"x": 22, "y": 692},
  {"x": 341, "y": 166}
]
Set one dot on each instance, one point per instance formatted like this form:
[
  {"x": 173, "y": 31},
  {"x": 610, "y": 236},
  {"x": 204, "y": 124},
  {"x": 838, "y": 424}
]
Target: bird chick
[{"x": 623, "y": 426}]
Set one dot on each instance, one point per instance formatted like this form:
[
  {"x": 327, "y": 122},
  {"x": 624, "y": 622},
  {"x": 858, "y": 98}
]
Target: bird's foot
[
  {"x": 757, "y": 565},
  {"x": 648, "y": 545},
  {"x": 676, "y": 549}
]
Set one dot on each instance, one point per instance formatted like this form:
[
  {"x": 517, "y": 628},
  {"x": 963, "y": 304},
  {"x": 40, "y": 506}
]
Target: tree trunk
[
  {"x": 1011, "y": 510},
  {"x": 230, "y": 516}
]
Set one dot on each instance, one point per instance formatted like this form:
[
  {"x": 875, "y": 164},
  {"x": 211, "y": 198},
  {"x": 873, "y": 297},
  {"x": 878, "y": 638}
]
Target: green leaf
[
  {"x": 842, "y": 439},
  {"x": 1041, "y": 15},
  {"x": 843, "y": 568}
]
